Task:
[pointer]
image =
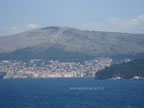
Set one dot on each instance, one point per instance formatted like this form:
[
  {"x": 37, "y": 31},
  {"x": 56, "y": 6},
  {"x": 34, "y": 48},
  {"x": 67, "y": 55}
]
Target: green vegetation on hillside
[
  {"x": 124, "y": 70},
  {"x": 53, "y": 53},
  {"x": 2, "y": 74}
]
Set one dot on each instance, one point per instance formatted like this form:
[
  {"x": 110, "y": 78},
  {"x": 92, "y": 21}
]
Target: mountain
[
  {"x": 65, "y": 43},
  {"x": 130, "y": 70}
]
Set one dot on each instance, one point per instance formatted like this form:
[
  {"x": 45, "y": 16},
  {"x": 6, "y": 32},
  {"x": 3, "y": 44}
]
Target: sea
[{"x": 71, "y": 93}]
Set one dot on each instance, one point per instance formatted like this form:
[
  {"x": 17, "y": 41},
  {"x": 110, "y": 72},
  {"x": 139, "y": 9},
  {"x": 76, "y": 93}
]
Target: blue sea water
[{"x": 71, "y": 93}]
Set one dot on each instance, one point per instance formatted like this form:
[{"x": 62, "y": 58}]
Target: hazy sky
[{"x": 104, "y": 15}]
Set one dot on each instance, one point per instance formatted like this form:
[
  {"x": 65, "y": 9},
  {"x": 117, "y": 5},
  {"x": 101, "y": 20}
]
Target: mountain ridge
[{"x": 71, "y": 40}]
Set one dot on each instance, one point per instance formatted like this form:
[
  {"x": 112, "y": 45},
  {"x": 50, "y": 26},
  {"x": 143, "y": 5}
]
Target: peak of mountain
[{"x": 70, "y": 41}]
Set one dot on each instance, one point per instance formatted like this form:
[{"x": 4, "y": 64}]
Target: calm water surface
[{"x": 71, "y": 93}]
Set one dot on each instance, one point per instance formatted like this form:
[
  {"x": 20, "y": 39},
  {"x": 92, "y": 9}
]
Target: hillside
[
  {"x": 2, "y": 74},
  {"x": 69, "y": 44},
  {"x": 130, "y": 70}
]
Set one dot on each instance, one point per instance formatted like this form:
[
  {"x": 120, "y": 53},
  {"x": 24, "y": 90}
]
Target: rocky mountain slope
[{"x": 69, "y": 43}]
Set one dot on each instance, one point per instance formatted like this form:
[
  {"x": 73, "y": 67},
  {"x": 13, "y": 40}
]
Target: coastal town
[{"x": 37, "y": 68}]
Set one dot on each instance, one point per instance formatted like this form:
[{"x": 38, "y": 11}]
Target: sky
[{"x": 100, "y": 15}]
